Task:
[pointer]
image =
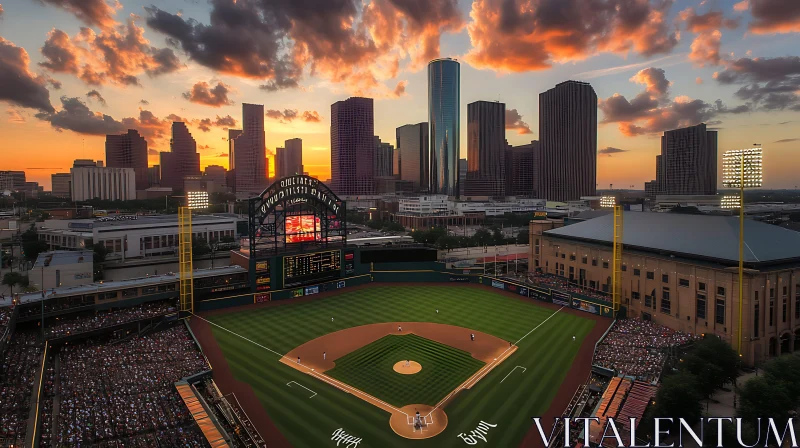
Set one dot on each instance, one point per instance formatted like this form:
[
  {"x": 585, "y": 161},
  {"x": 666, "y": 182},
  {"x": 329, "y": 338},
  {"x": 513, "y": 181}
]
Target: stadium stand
[
  {"x": 20, "y": 364},
  {"x": 108, "y": 318},
  {"x": 230, "y": 414},
  {"x": 112, "y": 392},
  {"x": 554, "y": 282}
]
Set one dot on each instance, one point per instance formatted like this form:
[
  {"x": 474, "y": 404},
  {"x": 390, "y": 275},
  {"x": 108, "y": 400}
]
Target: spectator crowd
[
  {"x": 121, "y": 393},
  {"x": 17, "y": 373},
  {"x": 5, "y": 317},
  {"x": 102, "y": 319},
  {"x": 636, "y": 347},
  {"x": 550, "y": 281}
]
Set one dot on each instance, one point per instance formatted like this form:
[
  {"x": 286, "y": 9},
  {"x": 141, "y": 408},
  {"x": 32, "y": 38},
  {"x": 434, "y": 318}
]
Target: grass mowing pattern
[
  {"x": 370, "y": 369},
  {"x": 547, "y": 353}
]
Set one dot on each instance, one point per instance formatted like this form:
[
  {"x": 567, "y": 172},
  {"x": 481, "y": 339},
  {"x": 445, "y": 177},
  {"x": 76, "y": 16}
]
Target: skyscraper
[
  {"x": 353, "y": 146},
  {"x": 688, "y": 162},
  {"x": 231, "y": 175},
  {"x": 250, "y": 152},
  {"x": 522, "y": 170},
  {"x": 444, "y": 103},
  {"x": 289, "y": 159},
  {"x": 568, "y": 141},
  {"x": 182, "y": 160},
  {"x": 414, "y": 157},
  {"x": 486, "y": 149},
  {"x": 384, "y": 154},
  {"x": 128, "y": 150},
  {"x": 62, "y": 184}
]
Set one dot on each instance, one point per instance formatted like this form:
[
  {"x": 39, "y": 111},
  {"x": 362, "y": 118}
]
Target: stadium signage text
[
  {"x": 775, "y": 436},
  {"x": 340, "y": 436},
  {"x": 478, "y": 433},
  {"x": 296, "y": 190}
]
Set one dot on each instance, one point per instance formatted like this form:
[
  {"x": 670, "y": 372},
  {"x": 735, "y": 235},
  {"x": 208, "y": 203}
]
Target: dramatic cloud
[
  {"x": 76, "y": 116},
  {"x": 522, "y": 35},
  {"x": 222, "y": 122},
  {"x": 311, "y": 116},
  {"x": 652, "y": 111},
  {"x": 774, "y": 16},
  {"x": 608, "y": 150},
  {"x": 203, "y": 93},
  {"x": 767, "y": 83},
  {"x": 152, "y": 152},
  {"x": 342, "y": 41},
  {"x": 289, "y": 115},
  {"x": 18, "y": 85},
  {"x": 514, "y": 122},
  {"x": 117, "y": 55},
  {"x": 97, "y": 96},
  {"x": 400, "y": 89},
  {"x": 787, "y": 140},
  {"x": 149, "y": 126},
  {"x": 14, "y": 116},
  {"x": 706, "y": 45},
  {"x": 98, "y": 13}
]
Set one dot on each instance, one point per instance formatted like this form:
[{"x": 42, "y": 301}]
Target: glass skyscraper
[{"x": 444, "y": 101}]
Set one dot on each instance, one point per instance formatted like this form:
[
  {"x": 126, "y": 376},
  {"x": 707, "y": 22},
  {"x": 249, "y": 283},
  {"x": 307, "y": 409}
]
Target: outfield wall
[{"x": 569, "y": 299}]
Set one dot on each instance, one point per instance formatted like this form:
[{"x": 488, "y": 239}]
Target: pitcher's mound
[{"x": 410, "y": 369}]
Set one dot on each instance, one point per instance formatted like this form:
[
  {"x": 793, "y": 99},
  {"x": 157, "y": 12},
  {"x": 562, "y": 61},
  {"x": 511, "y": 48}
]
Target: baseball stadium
[{"x": 307, "y": 340}]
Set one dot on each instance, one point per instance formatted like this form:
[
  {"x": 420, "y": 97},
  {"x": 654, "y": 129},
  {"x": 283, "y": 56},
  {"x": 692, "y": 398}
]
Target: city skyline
[{"x": 725, "y": 51}]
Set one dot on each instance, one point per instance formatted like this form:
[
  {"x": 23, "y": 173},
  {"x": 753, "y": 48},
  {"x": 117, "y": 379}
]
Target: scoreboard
[{"x": 309, "y": 267}]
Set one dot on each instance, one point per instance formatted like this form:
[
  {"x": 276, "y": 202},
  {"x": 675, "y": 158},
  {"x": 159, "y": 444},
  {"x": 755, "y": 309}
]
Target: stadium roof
[{"x": 714, "y": 238}]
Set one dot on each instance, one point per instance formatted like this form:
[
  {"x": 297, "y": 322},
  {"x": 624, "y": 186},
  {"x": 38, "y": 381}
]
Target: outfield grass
[
  {"x": 370, "y": 369},
  {"x": 547, "y": 354}
]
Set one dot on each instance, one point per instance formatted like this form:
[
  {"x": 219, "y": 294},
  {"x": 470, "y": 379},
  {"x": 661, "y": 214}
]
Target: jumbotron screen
[
  {"x": 311, "y": 267},
  {"x": 302, "y": 228}
]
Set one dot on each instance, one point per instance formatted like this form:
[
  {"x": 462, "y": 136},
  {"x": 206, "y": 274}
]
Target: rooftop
[
  {"x": 714, "y": 238},
  {"x": 62, "y": 257}
]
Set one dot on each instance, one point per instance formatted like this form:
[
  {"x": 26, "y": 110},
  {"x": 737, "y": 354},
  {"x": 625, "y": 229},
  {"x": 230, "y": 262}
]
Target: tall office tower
[
  {"x": 412, "y": 150},
  {"x": 61, "y": 184},
  {"x": 486, "y": 149},
  {"x": 444, "y": 106},
  {"x": 522, "y": 170},
  {"x": 384, "y": 152},
  {"x": 231, "y": 174},
  {"x": 462, "y": 175},
  {"x": 289, "y": 159},
  {"x": 353, "y": 146},
  {"x": 568, "y": 141},
  {"x": 128, "y": 150},
  {"x": 154, "y": 175},
  {"x": 182, "y": 160},
  {"x": 250, "y": 152},
  {"x": 688, "y": 162},
  {"x": 216, "y": 174}
]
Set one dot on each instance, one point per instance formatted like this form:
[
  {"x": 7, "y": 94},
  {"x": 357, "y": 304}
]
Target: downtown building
[
  {"x": 522, "y": 170},
  {"x": 96, "y": 181},
  {"x": 61, "y": 185},
  {"x": 128, "y": 150},
  {"x": 353, "y": 147},
  {"x": 568, "y": 142},
  {"x": 384, "y": 159},
  {"x": 231, "y": 175},
  {"x": 250, "y": 163},
  {"x": 444, "y": 122},
  {"x": 413, "y": 157},
  {"x": 182, "y": 160},
  {"x": 687, "y": 164},
  {"x": 289, "y": 159},
  {"x": 486, "y": 150}
]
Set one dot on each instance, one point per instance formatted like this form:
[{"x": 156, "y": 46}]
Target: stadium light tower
[{"x": 741, "y": 168}]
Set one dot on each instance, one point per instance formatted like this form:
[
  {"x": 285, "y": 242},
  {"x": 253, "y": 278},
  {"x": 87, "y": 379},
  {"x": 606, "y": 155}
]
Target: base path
[
  {"x": 485, "y": 347},
  {"x": 409, "y": 368}
]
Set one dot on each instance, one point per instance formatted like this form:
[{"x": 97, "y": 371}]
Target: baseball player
[
  {"x": 472, "y": 337},
  {"x": 298, "y": 360},
  {"x": 324, "y": 356}
]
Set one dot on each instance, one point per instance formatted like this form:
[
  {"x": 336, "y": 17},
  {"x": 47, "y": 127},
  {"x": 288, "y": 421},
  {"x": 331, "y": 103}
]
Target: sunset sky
[{"x": 72, "y": 71}]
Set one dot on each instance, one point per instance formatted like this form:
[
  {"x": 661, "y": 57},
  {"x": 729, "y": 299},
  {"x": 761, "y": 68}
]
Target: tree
[
  {"x": 523, "y": 237},
  {"x": 497, "y": 237},
  {"x": 100, "y": 253},
  {"x": 785, "y": 370},
  {"x": 713, "y": 362},
  {"x": 762, "y": 398},
  {"x": 12, "y": 279},
  {"x": 375, "y": 224},
  {"x": 395, "y": 227},
  {"x": 482, "y": 237},
  {"x": 678, "y": 397},
  {"x": 200, "y": 246},
  {"x": 227, "y": 239},
  {"x": 446, "y": 242}
]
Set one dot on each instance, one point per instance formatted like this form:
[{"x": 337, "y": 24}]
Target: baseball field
[{"x": 484, "y": 362}]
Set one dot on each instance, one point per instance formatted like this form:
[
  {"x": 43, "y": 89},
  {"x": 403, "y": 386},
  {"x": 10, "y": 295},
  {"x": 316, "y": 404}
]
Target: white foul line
[
  {"x": 512, "y": 371},
  {"x": 478, "y": 376},
  {"x": 304, "y": 387}
]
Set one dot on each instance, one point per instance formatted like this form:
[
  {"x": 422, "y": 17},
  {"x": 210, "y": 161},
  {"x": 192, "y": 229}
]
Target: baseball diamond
[{"x": 271, "y": 356}]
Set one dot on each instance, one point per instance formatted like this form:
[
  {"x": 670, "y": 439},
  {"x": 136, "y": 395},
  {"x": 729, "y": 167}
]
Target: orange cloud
[
  {"x": 18, "y": 85},
  {"x": 117, "y": 55},
  {"x": 217, "y": 96},
  {"x": 91, "y": 12},
  {"x": 774, "y": 16},
  {"x": 705, "y": 49},
  {"x": 514, "y": 122},
  {"x": 523, "y": 35}
]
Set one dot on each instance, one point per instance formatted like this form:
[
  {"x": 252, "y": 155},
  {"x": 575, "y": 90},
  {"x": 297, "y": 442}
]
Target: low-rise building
[
  {"x": 681, "y": 271},
  {"x": 62, "y": 268}
]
